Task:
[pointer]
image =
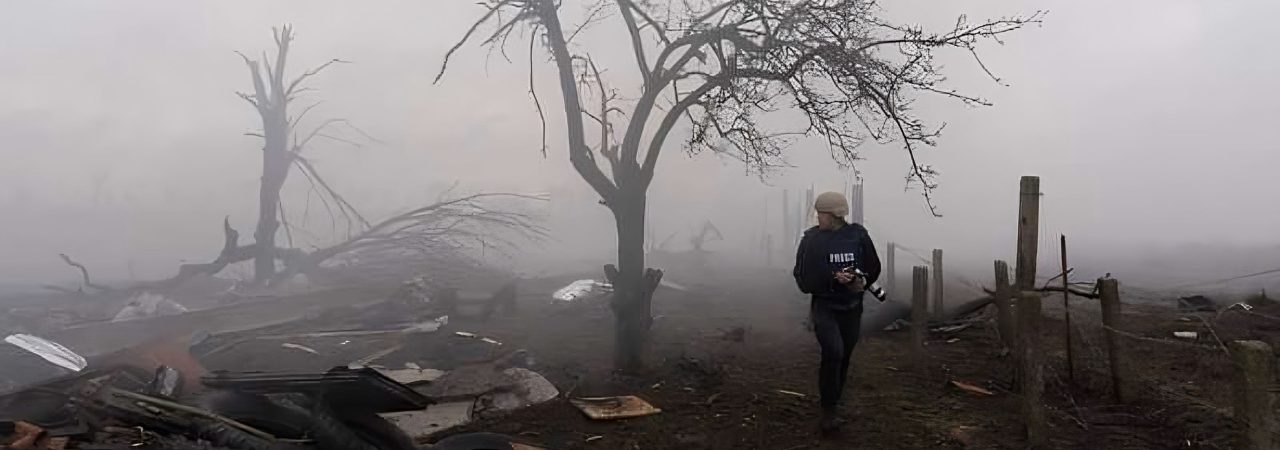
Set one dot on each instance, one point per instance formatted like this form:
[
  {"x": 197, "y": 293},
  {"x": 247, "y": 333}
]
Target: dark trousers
[{"x": 837, "y": 331}]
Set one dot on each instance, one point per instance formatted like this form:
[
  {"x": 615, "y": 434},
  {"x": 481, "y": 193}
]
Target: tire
[
  {"x": 292, "y": 417},
  {"x": 261, "y": 413},
  {"x": 474, "y": 441},
  {"x": 380, "y": 432}
]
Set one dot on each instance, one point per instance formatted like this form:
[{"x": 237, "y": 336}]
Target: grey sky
[{"x": 123, "y": 139}]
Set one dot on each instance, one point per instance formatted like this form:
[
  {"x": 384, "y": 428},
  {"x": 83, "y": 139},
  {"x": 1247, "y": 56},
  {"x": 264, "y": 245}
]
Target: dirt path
[{"x": 718, "y": 393}]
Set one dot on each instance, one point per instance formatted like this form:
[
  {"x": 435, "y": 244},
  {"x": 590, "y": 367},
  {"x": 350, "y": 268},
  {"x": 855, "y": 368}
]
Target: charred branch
[{"x": 84, "y": 273}]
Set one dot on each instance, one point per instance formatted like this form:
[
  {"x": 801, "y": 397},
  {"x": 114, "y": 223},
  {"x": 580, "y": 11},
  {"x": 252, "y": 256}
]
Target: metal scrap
[{"x": 50, "y": 351}]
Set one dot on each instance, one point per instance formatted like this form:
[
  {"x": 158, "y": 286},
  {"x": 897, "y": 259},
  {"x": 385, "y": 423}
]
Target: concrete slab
[{"x": 434, "y": 419}]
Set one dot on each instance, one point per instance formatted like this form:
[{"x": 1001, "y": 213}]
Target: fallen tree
[{"x": 434, "y": 235}]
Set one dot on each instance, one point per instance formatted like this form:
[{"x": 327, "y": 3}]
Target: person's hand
[
  {"x": 853, "y": 281},
  {"x": 858, "y": 285}
]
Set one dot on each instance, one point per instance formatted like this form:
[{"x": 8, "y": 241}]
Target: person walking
[{"x": 826, "y": 260}]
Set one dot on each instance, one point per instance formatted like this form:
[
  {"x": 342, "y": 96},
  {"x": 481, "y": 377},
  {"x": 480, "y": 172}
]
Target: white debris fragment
[
  {"x": 464, "y": 334},
  {"x": 672, "y": 285},
  {"x": 428, "y": 326},
  {"x": 148, "y": 305},
  {"x": 1186, "y": 334},
  {"x": 50, "y": 351},
  {"x": 580, "y": 289},
  {"x": 412, "y": 376},
  {"x": 300, "y": 347}
]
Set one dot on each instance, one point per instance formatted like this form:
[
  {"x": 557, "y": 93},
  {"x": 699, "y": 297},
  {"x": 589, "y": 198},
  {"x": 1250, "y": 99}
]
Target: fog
[{"x": 124, "y": 143}]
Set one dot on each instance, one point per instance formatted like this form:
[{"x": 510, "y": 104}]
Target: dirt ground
[{"x": 720, "y": 392}]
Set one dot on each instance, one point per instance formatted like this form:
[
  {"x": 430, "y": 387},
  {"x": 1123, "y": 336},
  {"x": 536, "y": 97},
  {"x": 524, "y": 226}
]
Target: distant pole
[
  {"x": 857, "y": 212},
  {"x": 786, "y": 215},
  {"x": 938, "y": 301},
  {"x": 806, "y": 212},
  {"x": 919, "y": 311},
  {"x": 1028, "y": 233},
  {"x": 768, "y": 250},
  {"x": 889, "y": 272},
  {"x": 1066, "y": 310}
]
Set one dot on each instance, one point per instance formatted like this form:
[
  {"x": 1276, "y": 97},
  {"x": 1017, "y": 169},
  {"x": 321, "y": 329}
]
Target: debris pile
[{"x": 353, "y": 375}]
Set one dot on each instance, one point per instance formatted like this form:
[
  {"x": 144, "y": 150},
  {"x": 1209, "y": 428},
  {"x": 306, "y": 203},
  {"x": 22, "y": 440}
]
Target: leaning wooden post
[
  {"x": 1028, "y": 233},
  {"x": 1032, "y": 367},
  {"x": 1254, "y": 401},
  {"x": 919, "y": 312},
  {"x": 1004, "y": 310},
  {"x": 1109, "y": 290},
  {"x": 890, "y": 276},
  {"x": 939, "y": 311}
]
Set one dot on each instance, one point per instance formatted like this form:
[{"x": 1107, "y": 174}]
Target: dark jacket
[{"x": 822, "y": 253}]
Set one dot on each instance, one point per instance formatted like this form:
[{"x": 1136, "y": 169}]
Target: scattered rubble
[
  {"x": 612, "y": 408},
  {"x": 145, "y": 387}
]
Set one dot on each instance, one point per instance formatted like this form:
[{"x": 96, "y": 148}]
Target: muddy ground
[{"x": 720, "y": 392}]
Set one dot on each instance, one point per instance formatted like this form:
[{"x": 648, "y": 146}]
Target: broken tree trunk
[{"x": 633, "y": 286}]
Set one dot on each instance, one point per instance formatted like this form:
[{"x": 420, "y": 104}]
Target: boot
[{"x": 831, "y": 422}]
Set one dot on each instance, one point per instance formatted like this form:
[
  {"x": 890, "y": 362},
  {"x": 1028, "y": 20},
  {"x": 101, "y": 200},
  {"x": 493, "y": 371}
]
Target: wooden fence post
[
  {"x": 919, "y": 311},
  {"x": 1004, "y": 309},
  {"x": 1066, "y": 313},
  {"x": 1109, "y": 290},
  {"x": 1031, "y": 362},
  {"x": 939, "y": 308},
  {"x": 1028, "y": 233},
  {"x": 1255, "y": 404},
  {"x": 890, "y": 274}
]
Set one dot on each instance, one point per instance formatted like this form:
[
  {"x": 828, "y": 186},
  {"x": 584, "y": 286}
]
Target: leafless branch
[
  {"x": 533, "y": 92},
  {"x": 825, "y": 58},
  {"x": 84, "y": 272},
  {"x": 342, "y": 203},
  {"x": 292, "y": 89}
]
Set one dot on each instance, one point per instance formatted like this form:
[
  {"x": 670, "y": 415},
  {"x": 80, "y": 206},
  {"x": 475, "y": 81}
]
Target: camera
[{"x": 874, "y": 289}]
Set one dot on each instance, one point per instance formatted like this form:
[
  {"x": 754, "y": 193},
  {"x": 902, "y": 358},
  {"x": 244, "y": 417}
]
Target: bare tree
[
  {"x": 437, "y": 237},
  {"x": 282, "y": 146},
  {"x": 720, "y": 65}
]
